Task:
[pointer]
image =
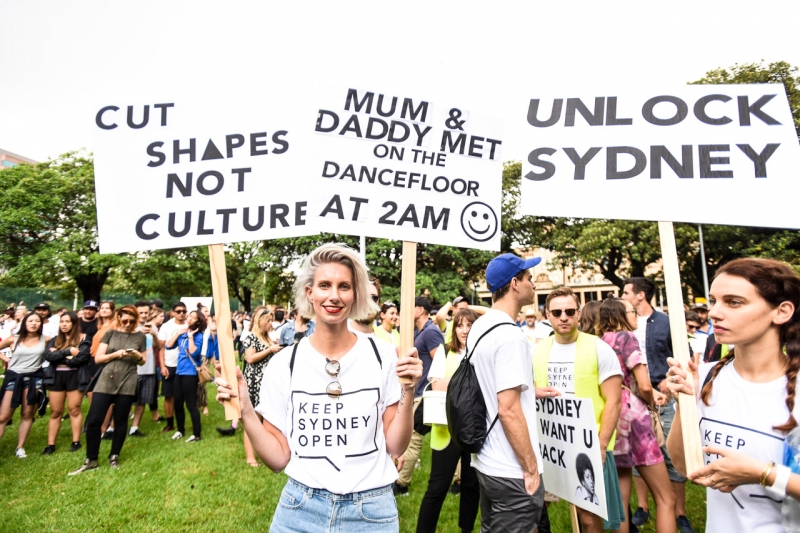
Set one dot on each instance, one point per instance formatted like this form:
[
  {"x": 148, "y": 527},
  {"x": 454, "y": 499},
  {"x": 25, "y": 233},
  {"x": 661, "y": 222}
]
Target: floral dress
[
  {"x": 636, "y": 444},
  {"x": 253, "y": 373}
]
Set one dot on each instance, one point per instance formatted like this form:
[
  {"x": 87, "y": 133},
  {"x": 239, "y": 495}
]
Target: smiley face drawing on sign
[{"x": 479, "y": 221}]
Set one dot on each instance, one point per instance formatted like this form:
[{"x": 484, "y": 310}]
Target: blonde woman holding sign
[
  {"x": 746, "y": 402},
  {"x": 334, "y": 412}
]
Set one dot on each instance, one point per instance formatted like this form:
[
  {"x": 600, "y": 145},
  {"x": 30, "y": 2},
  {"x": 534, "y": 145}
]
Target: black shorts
[
  {"x": 168, "y": 384},
  {"x": 146, "y": 389},
  {"x": 66, "y": 380}
]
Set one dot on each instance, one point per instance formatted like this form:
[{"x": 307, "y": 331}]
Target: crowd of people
[{"x": 327, "y": 397}]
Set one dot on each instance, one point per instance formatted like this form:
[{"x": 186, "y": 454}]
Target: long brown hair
[
  {"x": 776, "y": 282},
  {"x": 73, "y": 338},
  {"x": 613, "y": 317},
  {"x": 590, "y": 315},
  {"x": 23, "y": 329},
  {"x": 110, "y": 320},
  {"x": 464, "y": 315}
]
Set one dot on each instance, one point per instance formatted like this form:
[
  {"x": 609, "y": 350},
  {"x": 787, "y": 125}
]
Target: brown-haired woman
[
  {"x": 258, "y": 350},
  {"x": 67, "y": 352},
  {"x": 121, "y": 349},
  {"x": 445, "y": 452},
  {"x": 23, "y": 378},
  {"x": 590, "y": 316},
  {"x": 189, "y": 341},
  {"x": 746, "y": 402},
  {"x": 636, "y": 444}
]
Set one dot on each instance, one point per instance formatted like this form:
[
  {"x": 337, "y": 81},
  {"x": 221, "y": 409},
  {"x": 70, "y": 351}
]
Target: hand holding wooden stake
[
  {"x": 407, "y": 292},
  {"x": 219, "y": 284},
  {"x": 692, "y": 449}
]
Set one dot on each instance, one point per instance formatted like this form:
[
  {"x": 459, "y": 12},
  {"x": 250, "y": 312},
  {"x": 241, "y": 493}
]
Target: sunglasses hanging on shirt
[{"x": 334, "y": 389}]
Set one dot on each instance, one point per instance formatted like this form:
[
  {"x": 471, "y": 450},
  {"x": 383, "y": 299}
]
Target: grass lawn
[{"x": 165, "y": 485}]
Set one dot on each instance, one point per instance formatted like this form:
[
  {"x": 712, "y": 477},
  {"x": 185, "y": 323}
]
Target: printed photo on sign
[
  {"x": 333, "y": 430},
  {"x": 400, "y": 166},
  {"x": 731, "y": 143},
  {"x": 177, "y": 173},
  {"x": 568, "y": 441}
]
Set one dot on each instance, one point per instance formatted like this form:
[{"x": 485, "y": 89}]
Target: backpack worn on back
[{"x": 466, "y": 409}]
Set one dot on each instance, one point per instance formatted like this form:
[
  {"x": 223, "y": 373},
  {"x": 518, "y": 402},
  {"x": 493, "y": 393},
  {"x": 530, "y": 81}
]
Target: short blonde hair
[{"x": 363, "y": 306}]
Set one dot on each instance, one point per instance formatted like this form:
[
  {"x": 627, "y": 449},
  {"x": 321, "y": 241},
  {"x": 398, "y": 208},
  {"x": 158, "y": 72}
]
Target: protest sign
[
  {"x": 182, "y": 173},
  {"x": 717, "y": 154},
  {"x": 178, "y": 173},
  {"x": 689, "y": 153},
  {"x": 407, "y": 168},
  {"x": 570, "y": 448}
]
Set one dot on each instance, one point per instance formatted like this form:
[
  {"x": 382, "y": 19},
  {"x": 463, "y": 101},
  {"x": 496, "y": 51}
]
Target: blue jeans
[{"x": 303, "y": 509}]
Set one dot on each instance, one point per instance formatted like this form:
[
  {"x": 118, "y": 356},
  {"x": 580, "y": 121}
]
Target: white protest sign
[
  {"x": 715, "y": 154},
  {"x": 568, "y": 441},
  {"x": 402, "y": 167},
  {"x": 177, "y": 173}
]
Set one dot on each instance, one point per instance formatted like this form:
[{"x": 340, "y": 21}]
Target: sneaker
[
  {"x": 108, "y": 435},
  {"x": 455, "y": 488},
  {"x": 75, "y": 446},
  {"x": 49, "y": 449},
  {"x": 20, "y": 452},
  {"x": 177, "y": 435},
  {"x": 65, "y": 417},
  {"x": 167, "y": 429},
  {"x": 136, "y": 433},
  {"x": 227, "y": 432},
  {"x": 113, "y": 461},
  {"x": 640, "y": 517},
  {"x": 399, "y": 490},
  {"x": 684, "y": 526},
  {"x": 193, "y": 439},
  {"x": 88, "y": 464}
]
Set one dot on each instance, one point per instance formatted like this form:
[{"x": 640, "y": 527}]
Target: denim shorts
[
  {"x": 26, "y": 383},
  {"x": 303, "y": 509}
]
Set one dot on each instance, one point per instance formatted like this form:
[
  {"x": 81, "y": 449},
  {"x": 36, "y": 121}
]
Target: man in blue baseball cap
[{"x": 509, "y": 464}]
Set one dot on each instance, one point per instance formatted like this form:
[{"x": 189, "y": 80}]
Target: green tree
[{"x": 48, "y": 226}]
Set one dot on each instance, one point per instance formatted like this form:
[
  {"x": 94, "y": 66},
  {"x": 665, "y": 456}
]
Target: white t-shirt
[
  {"x": 561, "y": 368},
  {"x": 166, "y": 332},
  {"x": 51, "y": 327},
  {"x": 741, "y": 417},
  {"x": 503, "y": 360},
  {"x": 641, "y": 333},
  {"x": 542, "y": 331},
  {"x": 529, "y": 332},
  {"x": 149, "y": 366},
  {"x": 336, "y": 444}
]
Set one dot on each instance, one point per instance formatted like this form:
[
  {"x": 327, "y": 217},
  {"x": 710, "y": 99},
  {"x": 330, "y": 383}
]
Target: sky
[{"x": 63, "y": 61}]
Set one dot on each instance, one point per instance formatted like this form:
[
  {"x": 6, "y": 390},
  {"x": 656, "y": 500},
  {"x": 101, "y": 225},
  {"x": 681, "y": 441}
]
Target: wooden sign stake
[
  {"x": 573, "y": 518},
  {"x": 408, "y": 281},
  {"x": 692, "y": 449},
  {"x": 222, "y": 307}
]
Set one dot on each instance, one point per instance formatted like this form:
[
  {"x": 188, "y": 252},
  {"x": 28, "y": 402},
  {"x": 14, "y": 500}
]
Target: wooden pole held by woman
[
  {"x": 222, "y": 307},
  {"x": 693, "y": 452},
  {"x": 408, "y": 281}
]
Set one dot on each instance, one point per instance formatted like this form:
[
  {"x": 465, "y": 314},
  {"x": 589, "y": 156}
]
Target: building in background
[
  {"x": 10, "y": 159},
  {"x": 589, "y": 286}
]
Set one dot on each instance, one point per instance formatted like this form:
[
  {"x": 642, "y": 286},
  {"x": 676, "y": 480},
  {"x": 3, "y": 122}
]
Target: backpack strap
[
  {"x": 291, "y": 361},
  {"x": 375, "y": 349},
  {"x": 469, "y": 356}
]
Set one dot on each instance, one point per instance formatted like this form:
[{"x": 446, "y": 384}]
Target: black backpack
[{"x": 466, "y": 410}]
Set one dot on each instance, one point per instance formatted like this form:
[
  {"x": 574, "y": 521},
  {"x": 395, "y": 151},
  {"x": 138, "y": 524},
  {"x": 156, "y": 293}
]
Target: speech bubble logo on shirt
[{"x": 479, "y": 221}]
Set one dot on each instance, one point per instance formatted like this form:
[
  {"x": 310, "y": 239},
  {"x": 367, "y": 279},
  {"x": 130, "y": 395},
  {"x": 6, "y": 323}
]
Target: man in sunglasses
[
  {"x": 168, "y": 329},
  {"x": 582, "y": 365}
]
